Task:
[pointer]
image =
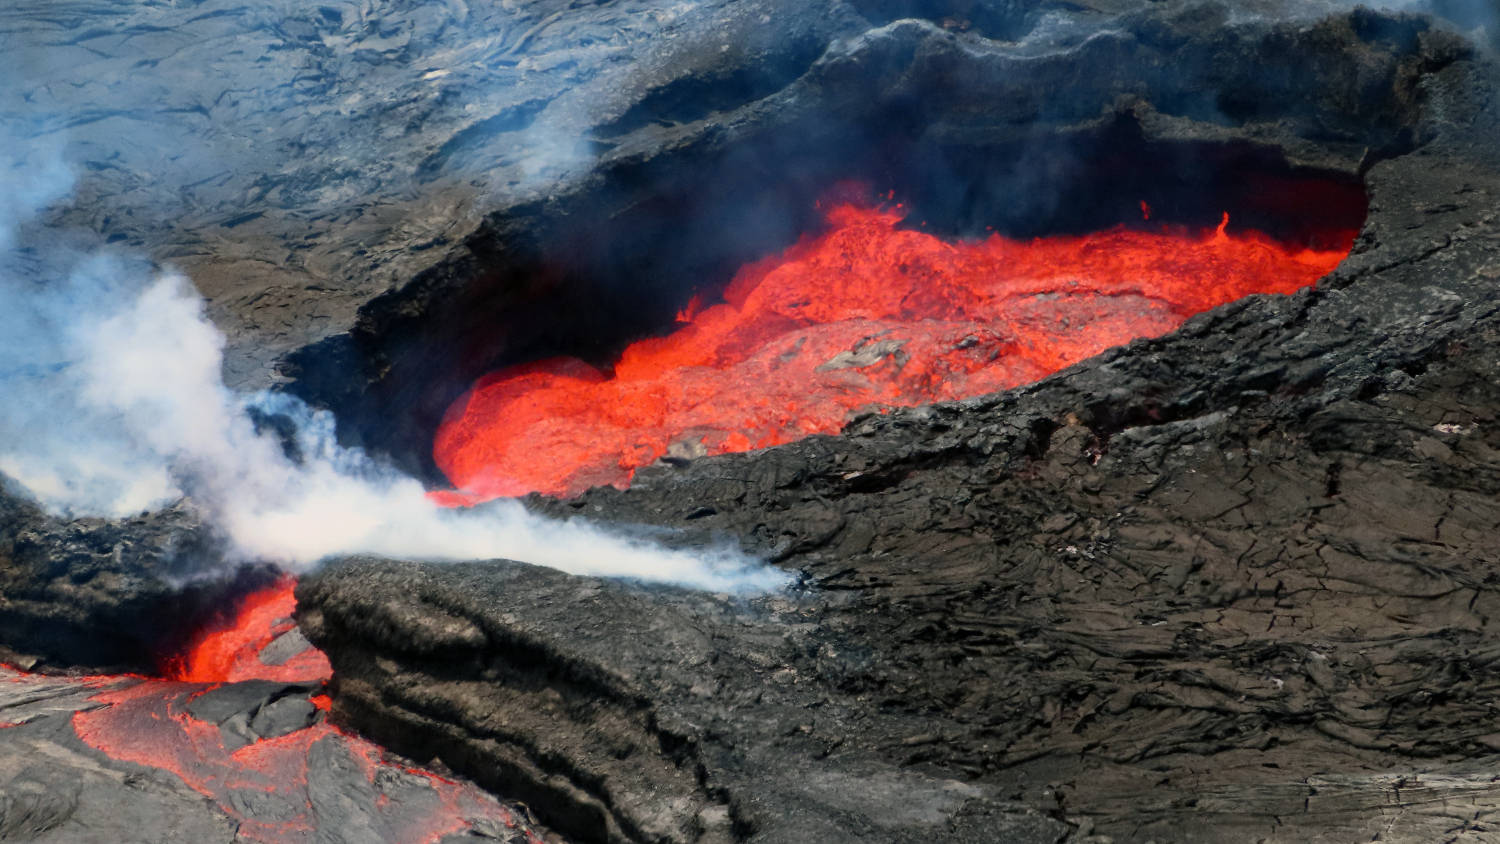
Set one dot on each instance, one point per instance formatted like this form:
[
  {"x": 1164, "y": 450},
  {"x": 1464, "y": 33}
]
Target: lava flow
[
  {"x": 241, "y": 720},
  {"x": 240, "y": 650},
  {"x": 867, "y": 315}
]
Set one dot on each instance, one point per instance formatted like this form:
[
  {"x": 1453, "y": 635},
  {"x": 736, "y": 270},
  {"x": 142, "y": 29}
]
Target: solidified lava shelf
[{"x": 864, "y": 316}]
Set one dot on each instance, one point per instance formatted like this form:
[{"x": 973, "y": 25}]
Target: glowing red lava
[
  {"x": 234, "y": 651},
  {"x": 272, "y": 785},
  {"x": 265, "y": 784},
  {"x": 864, "y": 316}
]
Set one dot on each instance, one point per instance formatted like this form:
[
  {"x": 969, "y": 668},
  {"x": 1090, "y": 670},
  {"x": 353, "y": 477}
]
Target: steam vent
[{"x": 694, "y": 422}]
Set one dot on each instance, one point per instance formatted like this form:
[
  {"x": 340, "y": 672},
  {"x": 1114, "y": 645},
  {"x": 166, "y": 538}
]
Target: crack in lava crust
[{"x": 864, "y": 316}]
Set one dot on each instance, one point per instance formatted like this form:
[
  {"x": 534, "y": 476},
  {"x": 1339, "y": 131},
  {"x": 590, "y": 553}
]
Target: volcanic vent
[
  {"x": 1175, "y": 563},
  {"x": 861, "y": 317},
  {"x": 742, "y": 313}
]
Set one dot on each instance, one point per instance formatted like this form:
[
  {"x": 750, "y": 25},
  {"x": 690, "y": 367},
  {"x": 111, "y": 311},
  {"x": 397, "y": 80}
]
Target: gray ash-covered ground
[{"x": 1230, "y": 584}]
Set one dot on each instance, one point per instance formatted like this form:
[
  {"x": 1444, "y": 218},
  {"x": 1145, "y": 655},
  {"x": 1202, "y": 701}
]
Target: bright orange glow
[
  {"x": 231, "y": 653},
  {"x": 864, "y": 316},
  {"x": 148, "y": 724}
]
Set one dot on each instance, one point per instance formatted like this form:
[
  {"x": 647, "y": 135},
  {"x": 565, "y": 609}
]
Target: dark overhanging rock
[
  {"x": 109, "y": 594},
  {"x": 1196, "y": 589}
]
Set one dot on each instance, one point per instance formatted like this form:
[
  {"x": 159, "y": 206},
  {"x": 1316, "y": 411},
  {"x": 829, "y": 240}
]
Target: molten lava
[
  {"x": 864, "y": 316},
  {"x": 270, "y": 784},
  {"x": 234, "y": 652},
  {"x": 265, "y": 784}
]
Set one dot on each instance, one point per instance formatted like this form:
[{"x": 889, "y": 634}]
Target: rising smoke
[
  {"x": 114, "y": 404},
  {"x": 1477, "y": 19}
]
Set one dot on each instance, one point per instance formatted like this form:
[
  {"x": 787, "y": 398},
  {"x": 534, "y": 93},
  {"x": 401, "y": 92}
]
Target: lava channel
[{"x": 865, "y": 316}]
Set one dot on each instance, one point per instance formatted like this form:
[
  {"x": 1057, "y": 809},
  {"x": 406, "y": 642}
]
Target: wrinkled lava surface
[{"x": 867, "y": 315}]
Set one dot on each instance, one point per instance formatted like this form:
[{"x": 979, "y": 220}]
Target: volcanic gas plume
[{"x": 864, "y": 316}]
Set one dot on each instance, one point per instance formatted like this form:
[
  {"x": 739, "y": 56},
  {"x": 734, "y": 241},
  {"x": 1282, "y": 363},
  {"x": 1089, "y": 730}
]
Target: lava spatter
[{"x": 866, "y": 315}]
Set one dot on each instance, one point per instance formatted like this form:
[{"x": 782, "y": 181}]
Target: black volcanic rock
[{"x": 117, "y": 594}]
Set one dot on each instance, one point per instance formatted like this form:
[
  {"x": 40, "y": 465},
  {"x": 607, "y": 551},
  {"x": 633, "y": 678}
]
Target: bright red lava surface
[
  {"x": 233, "y": 653},
  {"x": 865, "y": 316}
]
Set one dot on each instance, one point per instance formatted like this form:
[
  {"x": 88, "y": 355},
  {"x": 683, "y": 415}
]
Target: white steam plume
[
  {"x": 113, "y": 403},
  {"x": 156, "y": 364}
]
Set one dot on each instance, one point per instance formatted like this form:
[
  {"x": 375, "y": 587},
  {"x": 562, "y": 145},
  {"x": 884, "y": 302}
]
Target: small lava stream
[
  {"x": 238, "y": 651},
  {"x": 241, "y": 720},
  {"x": 865, "y": 316}
]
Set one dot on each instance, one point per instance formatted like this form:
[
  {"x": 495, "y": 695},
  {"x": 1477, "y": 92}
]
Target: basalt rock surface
[
  {"x": 108, "y": 594},
  {"x": 1230, "y": 584}
]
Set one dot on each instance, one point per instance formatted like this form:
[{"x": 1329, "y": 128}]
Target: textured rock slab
[{"x": 619, "y": 712}]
